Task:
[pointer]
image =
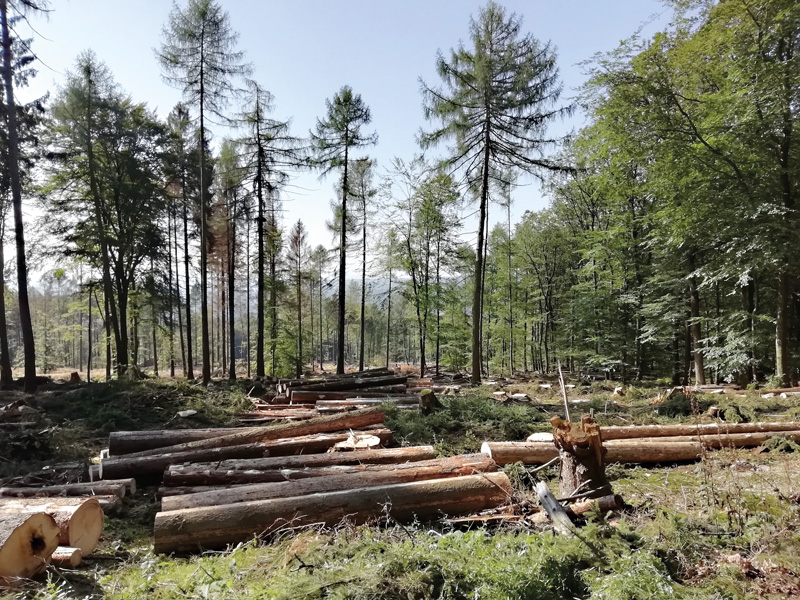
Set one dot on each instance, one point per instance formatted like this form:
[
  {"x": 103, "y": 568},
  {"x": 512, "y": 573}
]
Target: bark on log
[
  {"x": 152, "y": 466},
  {"x": 218, "y": 526},
  {"x": 323, "y": 442},
  {"x": 128, "y": 442},
  {"x": 277, "y": 415},
  {"x": 26, "y": 542},
  {"x": 80, "y": 524},
  {"x": 66, "y": 557},
  {"x": 721, "y": 440},
  {"x": 119, "y": 487},
  {"x": 285, "y": 384},
  {"x": 303, "y": 396},
  {"x": 538, "y": 453},
  {"x": 646, "y": 431},
  {"x": 107, "y": 503},
  {"x": 353, "y": 420},
  {"x": 350, "y": 384},
  {"x": 262, "y": 470},
  {"x": 377, "y": 475}
]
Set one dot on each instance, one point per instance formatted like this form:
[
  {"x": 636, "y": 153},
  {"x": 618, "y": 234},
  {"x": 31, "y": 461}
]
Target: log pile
[
  {"x": 299, "y": 399},
  {"x": 650, "y": 443},
  {"x": 37, "y": 531},
  {"x": 314, "y": 471}
]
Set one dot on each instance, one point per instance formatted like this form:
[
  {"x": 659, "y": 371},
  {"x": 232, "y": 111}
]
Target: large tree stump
[{"x": 580, "y": 447}]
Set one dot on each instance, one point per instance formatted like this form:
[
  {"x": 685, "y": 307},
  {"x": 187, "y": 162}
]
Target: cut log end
[
  {"x": 85, "y": 527},
  {"x": 64, "y": 556},
  {"x": 26, "y": 541}
]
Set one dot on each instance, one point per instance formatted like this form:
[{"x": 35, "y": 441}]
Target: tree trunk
[
  {"x": 342, "y": 268},
  {"x": 26, "y": 542},
  {"x": 283, "y": 468},
  {"x": 353, "y": 420},
  {"x": 10, "y": 112},
  {"x": 366, "y": 476},
  {"x": 231, "y": 289},
  {"x": 363, "y": 284},
  {"x": 782, "y": 320},
  {"x": 537, "y": 453},
  {"x": 80, "y": 523},
  {"x": 213, "y": 527},
  {"x": 189, "y": 358},
  {"x": 128, "y": 442},
  {"x": 6, "y": 376}
]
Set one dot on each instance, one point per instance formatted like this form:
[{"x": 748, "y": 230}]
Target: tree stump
[{"x": 580, "y": 447}]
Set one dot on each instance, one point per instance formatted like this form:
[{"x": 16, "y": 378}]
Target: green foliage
[{"x": 463, "y": 424}]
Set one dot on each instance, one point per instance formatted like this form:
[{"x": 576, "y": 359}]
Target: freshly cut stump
[
  {"x": 26, "y": 542},
  {"x": 64, "y": 556},
  {"x": 80, "y": 524}
]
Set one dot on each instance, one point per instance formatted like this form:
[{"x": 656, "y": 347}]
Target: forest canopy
[{"x": 669, "y": 248}]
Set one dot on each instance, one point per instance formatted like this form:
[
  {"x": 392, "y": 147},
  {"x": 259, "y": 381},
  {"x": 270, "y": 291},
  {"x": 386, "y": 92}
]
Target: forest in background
[{"x": 669, "y": 249}]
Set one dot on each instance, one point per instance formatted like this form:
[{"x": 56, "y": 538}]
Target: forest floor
[{"x": 727, "y": 526}]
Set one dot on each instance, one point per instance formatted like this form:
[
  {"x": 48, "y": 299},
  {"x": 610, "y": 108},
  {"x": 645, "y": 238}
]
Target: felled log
[
  {"x": 779, "y": 390},
  {"x": 538, "y": 453},
  {"x": 119, "y": 487},
  {"x": 64, "y": 556},
  {"x": 284, "y": 384},
  {"x": 128, "y": 442},
  {"x": 321, "y": 442},
  {"x": 230, "y": 472},
  {"x": 152, "y": 466},
  {"x": 26, "y": 542},
  {"x": 310, "y": 397},
  {"x": 80, "y": 523},
  {"x": 277, "y": 415},
  {"x": 646, "y": 431},
  {"x": 720, "y": 440},
  {"x": 609, "y": 503},
  {"x": 217, "y": 526},
  {"x": 366, "y": 476},
  {"x": 332, "y": 406},
  {"x": 356, "y": 419},
  {"x": 350, "y": 384}
]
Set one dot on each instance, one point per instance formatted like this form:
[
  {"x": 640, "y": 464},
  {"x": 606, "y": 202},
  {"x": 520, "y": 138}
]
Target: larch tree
[
  {"x": 270, "y": 150},
  {"x": 363, "y": 193},
  {"x": 297, "y": 253},
  {"x": 335, "y": 137},
  {"x": 496, "y": 100},
  {"x": 198, "y": 54}
]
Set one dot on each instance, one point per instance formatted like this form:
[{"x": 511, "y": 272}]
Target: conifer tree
[
  {"x": 198, "y": 56},
  {"x": 335, "y": 137},
  {"x": 497, "y": 98}
]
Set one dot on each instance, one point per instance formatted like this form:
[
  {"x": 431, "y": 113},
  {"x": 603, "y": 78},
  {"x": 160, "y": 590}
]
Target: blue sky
[{"x": 303, "y": 51}]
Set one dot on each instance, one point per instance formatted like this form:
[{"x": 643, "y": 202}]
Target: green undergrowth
[
  {"x": 464, "y": 423},
  {"x": 73, "y": 421},
  {"x": 409, "y": 563}
]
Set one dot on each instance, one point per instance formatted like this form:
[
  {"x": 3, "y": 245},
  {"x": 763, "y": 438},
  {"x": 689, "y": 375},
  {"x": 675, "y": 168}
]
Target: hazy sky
[{"x": 303, "y": 51}]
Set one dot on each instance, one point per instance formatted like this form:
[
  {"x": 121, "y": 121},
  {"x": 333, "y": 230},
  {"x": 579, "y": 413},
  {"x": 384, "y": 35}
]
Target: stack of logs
[
  {"x": 649, "y": 443},
  {"x": 53, "y": 524},
  {"x": 298, "y": 399},
  {"x": 223, "y": 486}
]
